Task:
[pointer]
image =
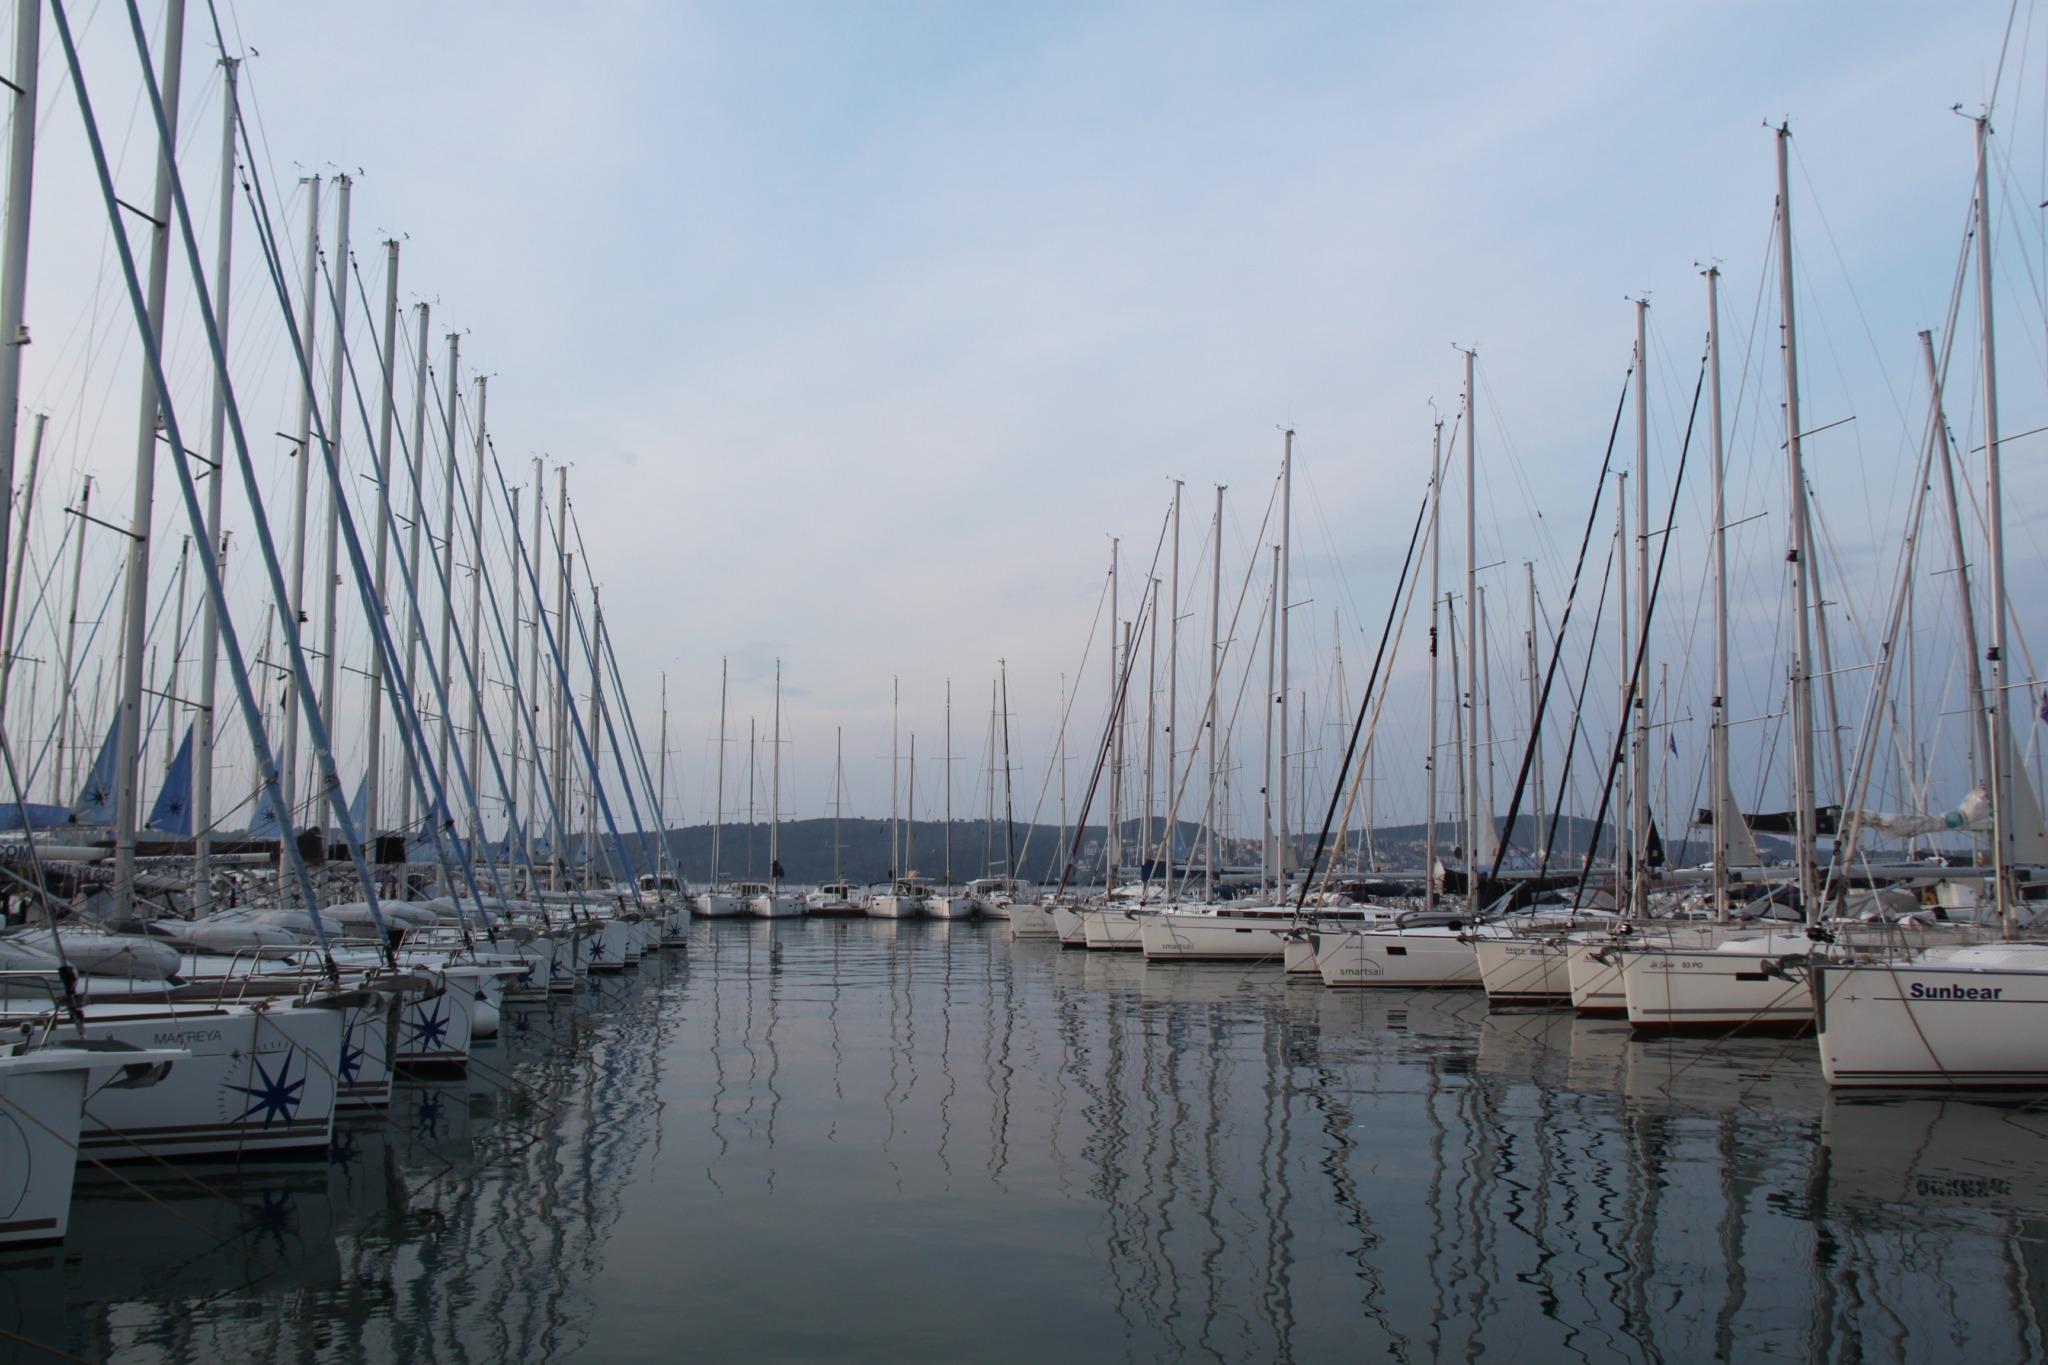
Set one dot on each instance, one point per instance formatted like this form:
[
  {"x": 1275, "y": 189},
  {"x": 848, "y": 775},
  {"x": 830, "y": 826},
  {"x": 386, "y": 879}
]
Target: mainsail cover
[
  {"x": 1972, "y": 813},
  {"x": 95, "y": 803},
  {"x": 172, "y": 813}
]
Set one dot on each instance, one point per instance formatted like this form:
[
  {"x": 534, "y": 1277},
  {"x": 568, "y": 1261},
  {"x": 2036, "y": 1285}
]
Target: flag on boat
[
  {"x": 2044, "y": 706},
  {"x": 172, "y": 813}
]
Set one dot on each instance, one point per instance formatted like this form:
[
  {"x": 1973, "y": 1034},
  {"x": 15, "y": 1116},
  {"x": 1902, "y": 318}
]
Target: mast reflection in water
[{"x": 893, "y": 1140}]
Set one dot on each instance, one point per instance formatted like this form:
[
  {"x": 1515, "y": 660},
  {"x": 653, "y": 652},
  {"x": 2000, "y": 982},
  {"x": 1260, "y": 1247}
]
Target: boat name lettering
[
  {"x": 1922, "y": 991},
  {"x": 186, "y": 1037}
]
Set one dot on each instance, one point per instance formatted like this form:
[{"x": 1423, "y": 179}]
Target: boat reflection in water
[
  {"x": 469, "y": 1222},
  {"x": 869, "y": 1140}
]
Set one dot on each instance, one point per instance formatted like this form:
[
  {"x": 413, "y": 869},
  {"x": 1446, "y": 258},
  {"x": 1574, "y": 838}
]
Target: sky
[{"x": 863, "y": 327}]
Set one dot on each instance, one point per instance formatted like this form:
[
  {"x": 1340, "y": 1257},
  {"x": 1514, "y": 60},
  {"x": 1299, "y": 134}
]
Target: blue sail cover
[
  {"x": 95, "y": 803},
  {"x": 264, "y": 826},
  {"x": 172, "y": 813},
  {"x": 39, "y": 816}
]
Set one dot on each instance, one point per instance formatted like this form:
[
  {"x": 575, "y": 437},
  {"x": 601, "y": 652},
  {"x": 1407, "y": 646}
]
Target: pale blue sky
[{"x": 864, "y": 325}]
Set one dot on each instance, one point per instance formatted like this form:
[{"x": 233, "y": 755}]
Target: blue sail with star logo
[
  {"x": 264, "y": 826},
  {"x": 172, "y": 813},
  {"x": 95, "y": 803}
]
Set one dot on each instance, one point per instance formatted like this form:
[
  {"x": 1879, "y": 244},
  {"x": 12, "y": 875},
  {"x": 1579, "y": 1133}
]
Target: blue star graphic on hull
[
  {"x": 351, "y": 1057},
  {"x": 275, "y": 1097},
  {"x": 430, "y": 1029},
  {"x": 596, "y": 949}
]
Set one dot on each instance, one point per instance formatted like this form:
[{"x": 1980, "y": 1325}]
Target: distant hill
[{"x": 807, "y": 853}]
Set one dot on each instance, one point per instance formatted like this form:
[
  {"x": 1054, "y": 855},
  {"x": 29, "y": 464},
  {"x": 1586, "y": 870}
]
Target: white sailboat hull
[
  {"x": 1032, "y": 921},
  {"x": 1169, "y": 936},
  {"x": 256, "y": 1081},
  {"x": 715, "y": 905},
  {"x": 1688, "y": 989},
  {"x": 777, "y": 906},
  {"x": 433, "y": 1032},
  {"x": 895, "y": 907},
  {"x": 1410, "y": 958},
  {"x": 1594, "y": 971},
  {"x": 1931, "y": 1023},
  {"x": 1112, "y": 930},
  {"x": 675, "y": 926},
  {"x": 949, "y": 907},
  {"x": 367, "y": 1054},
  {"x": 42, "y": 1097},
  {"x": 1071, "y": 922},
  {"x": 1525, "y": 971}
]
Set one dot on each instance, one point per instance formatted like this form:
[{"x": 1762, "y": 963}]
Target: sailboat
[
  {"x": 838, "y": 896},
  {"x": 1968, "y": 1014},
  {"x": 715, "y": 901},
  {"x": 42, "y": 1097},
  {"x": 949, "y": 902},
  {"x": 769, "y": 900}
]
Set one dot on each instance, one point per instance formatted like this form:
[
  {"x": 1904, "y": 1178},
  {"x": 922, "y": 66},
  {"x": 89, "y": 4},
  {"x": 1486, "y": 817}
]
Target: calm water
[{"x": 838, "y": 1141}]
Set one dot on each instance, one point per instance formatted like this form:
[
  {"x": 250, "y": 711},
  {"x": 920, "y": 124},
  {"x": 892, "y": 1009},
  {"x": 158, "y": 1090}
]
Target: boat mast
[
  {"x": 447, "y": 729},
  {"x": 1623, "y": 842},
  {"x": 135, "y": 613},
  {"x": 414, "y": 621},
  {"x": 1540, "y": 845},
  {"x": 1482, "y": 719},
  {"x": 330, "y": 585},
  {"x": 533, "y": 690},
  {"x": 1473, "y": 814},
  {"x": 895, "y": 777},
  {"x": 1119, "y": 646},
  {"x": 309, "y": 323},
  {"x": 63, "y": 777},
  {"x": 1063, "y": 771},
  {"x": 387, "y": 413},
  {"x": 1717, "y": 758},
  {"x": 1009, "y": 814},
  {"x": 838, "y": 792},
  {"x": 775, "y": 786},
  {"x": 1795, "y": 472},
  {"x": 562, "y": 700},
  {"x": 593, "y": 750},
  {"x": 1278, "y": 701},
  {"x": 1997, "y": 702},
  {"x": 1639, "y": 717},
  {"x": 1145, "y": 848},
  {"x": 1215, "y": 678},
  {"x": 171, "y": 690},
  {"x": 1436, "y": 561},
  {"x": 1121, "y": 803},
  {"x": 718, "y": 802},
  {"x": 1269, "y": 848},
  {"x": 661, "y": 787},
  {"x": 13, "y": 604},
  {"x": 476, "y": 613},
  {"x": 1172, "y": 693},
  {"x": 515, "y": 806},
  {"x": 21, "y": 160},
  {"x": 949, "y": 783},
  {"x": 1980, "y": 731}
]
